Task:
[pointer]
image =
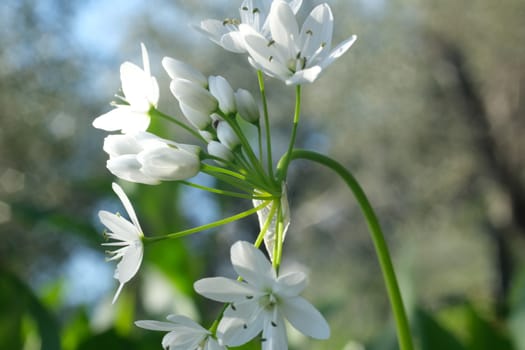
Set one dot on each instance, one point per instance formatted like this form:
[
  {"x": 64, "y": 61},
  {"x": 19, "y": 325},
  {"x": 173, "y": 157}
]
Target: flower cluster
[{"x": 262, "y": 300}]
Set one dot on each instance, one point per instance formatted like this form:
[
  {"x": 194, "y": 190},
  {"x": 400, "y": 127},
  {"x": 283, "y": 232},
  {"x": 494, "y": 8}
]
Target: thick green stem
[{"x": 403, "y": 329}]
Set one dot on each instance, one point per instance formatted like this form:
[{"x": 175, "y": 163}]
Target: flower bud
[
  {"x": 217, "y": 149},
  {"x": 246, "y": 106},
  {"x": 223, "y": 92},
  {"x": 180, "y": 70},
  {"x": 227, "y": 136},
  {"x": 208, "y": 136},
  {"x": 193, "y": 96},
  {"x": 198, "y": 119},
  {"x": 168, "y": 163}
]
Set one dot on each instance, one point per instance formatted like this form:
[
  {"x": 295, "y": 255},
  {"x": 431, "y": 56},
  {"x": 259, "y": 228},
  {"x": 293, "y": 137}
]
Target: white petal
[
  {"x": 219, "y": 150},
  {"x": 155, "y": 325},
  {"x": 180, "y": 70},
  {"x": 227, "y": 136},
  {"x": 130, "y": 263},
  {"x": 283, "y": 27},
  {"x": 295, "y": 5},
  {"x": 212, "y": 344},
  {"x": 127, "y": 167},
  {"x": 304, "y": 76},
  {"x": 305, "y": 318},
  {"x": 291, "y": 284},
  {"x": 117, "y": 145},
  {"x": 239, "y": 327},
  {"x": 317, "y": 31},
  {"x": 136, "y": 85},
  {"x": 170, "y": 164},
  {"x": 274, "y": 335},
  {"x": 251, "y": 264},
  {"x": 246, "y": 105},
  {"x": 127, "y": 205},
  {"x": 121, "y": 228},
  {"x": 268, "y": 58},
  {"x": 338, "y": 51},
  {"x": 186, "y": 321},
  {"x": 223, "y": 92},
  {"x": 197, "y": 118},
  {"x": 224, "y": 289},
  {"x": 233, "y": 41},
  {"x": 123, "y": 118},
  {"x": 194, "y": 96}
]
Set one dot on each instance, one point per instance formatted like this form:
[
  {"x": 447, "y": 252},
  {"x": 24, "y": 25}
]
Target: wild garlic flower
[
  {"x": 141, "y": 93},
  {"x": 184, "y": 334},
  {"x": 128, "y": 237},
  {"x": 146, "y": 158},
  {"x": 294, "y": 56},
  {"x": 253, "y": 13},
  {"x": 261, "y": 302}
]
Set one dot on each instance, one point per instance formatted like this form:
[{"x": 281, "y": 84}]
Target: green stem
[
  {"x": 282, "y": 168},
  {"x": 262, "y": 88},
  {"x": 403, "y": 329},
  {"x": 156, "y": 113},
  {"x": 208, "y": 226},
  {"x": 223, "y": 192}
]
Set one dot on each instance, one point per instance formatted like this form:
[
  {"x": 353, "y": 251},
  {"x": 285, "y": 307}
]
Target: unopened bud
[{"x": 246, "y": 106}]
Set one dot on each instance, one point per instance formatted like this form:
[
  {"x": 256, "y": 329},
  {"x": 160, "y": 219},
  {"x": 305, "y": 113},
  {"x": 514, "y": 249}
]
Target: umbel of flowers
[{"x": 263, "y": 299}]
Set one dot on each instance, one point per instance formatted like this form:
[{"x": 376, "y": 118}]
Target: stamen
[
  {"x": 244, "y": 8},
  {"x": 249, "y": 297},
  {"x": 270, "y": 43},
  {"x": 273, "y": 324},
  {"x": 309, "y": 32},
  {"x": 255, "y": 10},
  {"x": 270, "y": 58},
  {"x": 233, "y": 307}
]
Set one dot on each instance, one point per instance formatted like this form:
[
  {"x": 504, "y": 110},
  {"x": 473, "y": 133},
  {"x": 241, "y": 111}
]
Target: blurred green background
[{"x": 427, "y": 110}]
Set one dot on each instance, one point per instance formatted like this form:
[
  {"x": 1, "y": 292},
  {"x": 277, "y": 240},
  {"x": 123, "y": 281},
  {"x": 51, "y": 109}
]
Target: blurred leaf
[
  {"x": 76, "y": 329},
  {"x": 20, "y": 301},
  {"x": 517, "y": 309},
  {"x": 475, "y": 331},
  {"x": 107, "y": 340},
  {"x": 432, "y": 336}
]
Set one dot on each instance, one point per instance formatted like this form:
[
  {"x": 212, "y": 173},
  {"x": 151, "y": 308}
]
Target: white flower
[
  {"x": 129, "y": 240},
  {"x": 292, "y": 56},
  {"x": 253, "y": 13},
  {"x": 146, "y": 158},
  {"x": 184, "y": 334},
  {"x": 263, "y": 215},
  {"x": 261, "y": 302},
  {"x": 141, "y": 93}
]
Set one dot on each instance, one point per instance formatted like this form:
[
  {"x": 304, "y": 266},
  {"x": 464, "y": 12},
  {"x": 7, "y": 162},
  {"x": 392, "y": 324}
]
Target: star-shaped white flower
[
  {"x": 184, "y": 334},
  {"x": 141, "y": 93},
  {"x": 261, "y": 302},
  {"x": 128, "y": 237},
  {"x": 294, "y": 56},
  {"x": 253, "y": 13}
]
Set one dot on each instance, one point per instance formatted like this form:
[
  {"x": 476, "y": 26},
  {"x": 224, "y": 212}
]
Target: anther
[
  {"x": 244, "y": 8},
  {"x": 249, "y": 297},
  {"x": 270, "y": 43},
  {"x": 255, "y": 10},
  {"x": 233, "y": 307},
  {"x": 273, "y": 324},
  {"x": 270, "y": 58},
  {"x": 309, "y": 32}
]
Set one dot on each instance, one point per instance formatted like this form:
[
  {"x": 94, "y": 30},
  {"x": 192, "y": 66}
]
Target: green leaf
[{"x": 432, "y": 335}]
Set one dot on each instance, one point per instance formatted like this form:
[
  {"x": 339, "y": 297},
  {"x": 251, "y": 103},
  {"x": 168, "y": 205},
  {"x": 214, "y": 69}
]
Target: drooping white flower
[
  {"x": 146, "y": 158},
  {"x": 253, "y": 13},
  {"x": 184, "y": 334},
  {"x": 141, "y": 93},
  {"x": 261, "y": 302},
  {"x": 128, "y": 240},
  {"x": 181, "y": 70},
  {"x": 263, "y": 215},
  {"x": 227, "y": 136},
  {"x": 294, "y": 56}
]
